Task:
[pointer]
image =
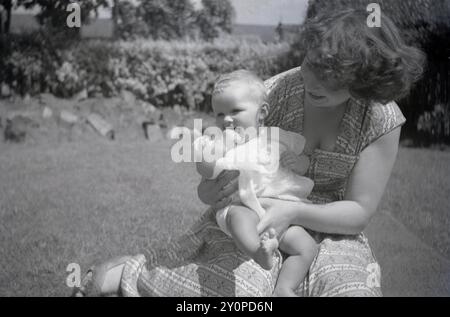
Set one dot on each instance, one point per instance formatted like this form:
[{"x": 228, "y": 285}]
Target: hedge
[{"x": 162, "y": 72}]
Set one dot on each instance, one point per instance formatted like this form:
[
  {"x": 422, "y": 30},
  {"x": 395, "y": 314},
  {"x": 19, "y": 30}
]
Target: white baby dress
[{"x": 261, "y": 175}]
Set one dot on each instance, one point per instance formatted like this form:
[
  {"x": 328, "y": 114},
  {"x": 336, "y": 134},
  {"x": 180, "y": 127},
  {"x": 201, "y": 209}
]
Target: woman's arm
[{"x": 364, "y": 192}]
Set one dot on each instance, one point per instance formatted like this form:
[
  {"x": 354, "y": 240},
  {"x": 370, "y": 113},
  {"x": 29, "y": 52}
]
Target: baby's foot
[
  {"x": 283, "y": 292},
  {"x": 269, "y": 244}
]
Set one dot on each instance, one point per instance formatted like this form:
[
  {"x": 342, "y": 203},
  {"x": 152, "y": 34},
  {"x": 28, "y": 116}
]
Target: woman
[{"x": 341, "y": 101}]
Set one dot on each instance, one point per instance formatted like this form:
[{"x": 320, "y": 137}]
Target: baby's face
[{"x": 236, "y": 107}]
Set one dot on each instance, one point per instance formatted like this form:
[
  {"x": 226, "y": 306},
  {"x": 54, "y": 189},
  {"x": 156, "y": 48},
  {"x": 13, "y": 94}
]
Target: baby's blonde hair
[{"x": 258, "y": 90}]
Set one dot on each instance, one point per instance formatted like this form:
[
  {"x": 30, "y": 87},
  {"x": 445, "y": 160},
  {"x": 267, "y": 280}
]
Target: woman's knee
[
  {"x": 297, "y": 241},
  {"x": 345, "y": 268}
]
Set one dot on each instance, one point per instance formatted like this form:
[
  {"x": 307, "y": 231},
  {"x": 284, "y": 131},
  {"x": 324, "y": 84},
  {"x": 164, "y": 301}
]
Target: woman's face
[{"x": 318, "y": 93}]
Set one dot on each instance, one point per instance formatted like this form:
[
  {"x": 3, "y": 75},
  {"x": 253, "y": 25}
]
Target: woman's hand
[
  {"x": 218, "y": 192},
  {"x": 280, "y": 214}
]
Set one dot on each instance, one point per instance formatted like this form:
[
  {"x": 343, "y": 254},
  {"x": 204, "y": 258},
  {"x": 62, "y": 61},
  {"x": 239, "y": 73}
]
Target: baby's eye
[
  {"x": 235, "y": 111},
  {"x": 220, "y": 115}
]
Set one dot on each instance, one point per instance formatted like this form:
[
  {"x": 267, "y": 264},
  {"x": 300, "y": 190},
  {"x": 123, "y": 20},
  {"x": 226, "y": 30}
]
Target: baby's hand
[
  {"x": 231, "y": 139},
  {"x": 299, "y": 164}
]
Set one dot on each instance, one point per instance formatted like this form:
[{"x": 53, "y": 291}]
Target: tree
[
  {"x": 115, "y": 16},
  {"x": 129, "y": 24},
  {"x": 280, "y": 31},
  {"x": 169, "y": 19},
  {"x": 53, "y": 14},
  {"x": 216, "y": 16},
  {"x": 5, "y": 16}
]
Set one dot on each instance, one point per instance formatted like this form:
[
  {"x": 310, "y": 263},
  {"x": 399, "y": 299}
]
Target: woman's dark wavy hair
[{"x": 375, "y": 64}]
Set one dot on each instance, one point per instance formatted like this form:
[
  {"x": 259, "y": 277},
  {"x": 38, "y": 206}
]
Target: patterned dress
[{"x": 205, "y": 262}]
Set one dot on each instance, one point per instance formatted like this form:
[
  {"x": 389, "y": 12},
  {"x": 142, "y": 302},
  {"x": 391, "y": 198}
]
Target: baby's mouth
[
  {"x": 230, "y": 127},
  {"x": 238, "y": 130}
]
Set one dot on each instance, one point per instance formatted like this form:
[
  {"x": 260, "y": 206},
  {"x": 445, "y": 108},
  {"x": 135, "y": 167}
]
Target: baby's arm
[
  {"x": 218, "y": 147},
  {"x": 203, "y": 146},
  {"x": 206, "y": 169}
]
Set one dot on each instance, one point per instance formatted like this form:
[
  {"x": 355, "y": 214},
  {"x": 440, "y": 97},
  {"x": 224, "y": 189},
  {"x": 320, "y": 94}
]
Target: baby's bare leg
[
  {"x": 242, "y": 222},
  {"x": 302, "y": 250}
]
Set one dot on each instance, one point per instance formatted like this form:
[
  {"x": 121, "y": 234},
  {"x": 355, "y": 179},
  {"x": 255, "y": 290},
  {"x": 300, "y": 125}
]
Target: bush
[
  {"x": 161, "y": 72},
  {"x": 435, "y": 125},
  {"x": 29, "y": 63}
]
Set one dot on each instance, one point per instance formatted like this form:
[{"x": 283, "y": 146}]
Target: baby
[{"x": 239, "y": 102}]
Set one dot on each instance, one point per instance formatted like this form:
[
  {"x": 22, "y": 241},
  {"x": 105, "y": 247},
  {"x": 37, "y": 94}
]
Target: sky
[
  {"x": 270, "y": 12},
  {"x": 262, "y": 12}
]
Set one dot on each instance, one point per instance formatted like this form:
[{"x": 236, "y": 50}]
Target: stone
[
  {"x": 68, "y": 117},
  {"x": 170, "y": 118},
  {"x": 82, "y": 95},
  {"x": 46, "y": 98},
  {"x": 177, "y": 110},
  {"x": 5, "y": 91},
  {"x": 149, "y": 109},
  {"x": 152, "y": 131},
  {"x": 47, "y": 113},
  {"x": 49, "y": 100},
  {"x": 27, "y": 99},
  {"x": 17, "y": 127},
  {"x": 128, "y": 97},
  {"x": 101, "y": 126}
]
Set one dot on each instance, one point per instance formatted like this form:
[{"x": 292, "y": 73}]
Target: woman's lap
[
  {"x": 344, "y": 266},
  {"x": 205, "y": 262}
]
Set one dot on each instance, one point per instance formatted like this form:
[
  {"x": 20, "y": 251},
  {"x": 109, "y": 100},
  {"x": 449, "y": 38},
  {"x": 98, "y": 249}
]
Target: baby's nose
[{"x": 228, "y": 120}]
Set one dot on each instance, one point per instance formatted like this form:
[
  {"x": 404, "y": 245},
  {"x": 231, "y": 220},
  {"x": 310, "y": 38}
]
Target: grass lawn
[
  {"x": 83, "y": 202},
  {"x": 418, "y": 196}
]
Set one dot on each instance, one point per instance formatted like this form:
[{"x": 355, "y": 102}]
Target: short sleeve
[{"x": 380, "y": 120}]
